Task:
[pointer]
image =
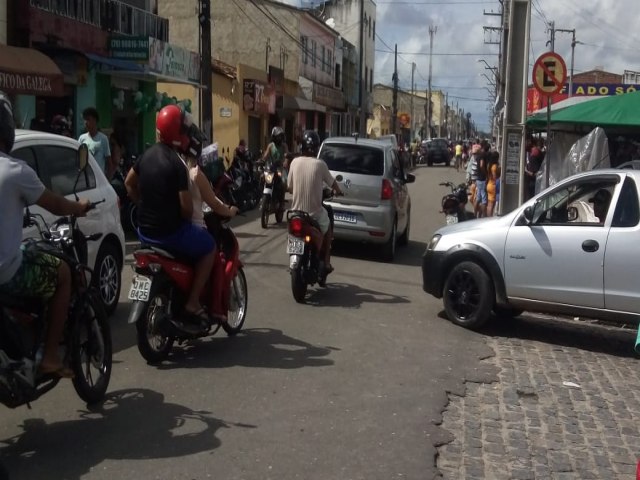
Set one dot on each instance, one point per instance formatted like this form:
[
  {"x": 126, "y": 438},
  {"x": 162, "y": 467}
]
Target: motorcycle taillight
[{"x": 296, "y": 226}]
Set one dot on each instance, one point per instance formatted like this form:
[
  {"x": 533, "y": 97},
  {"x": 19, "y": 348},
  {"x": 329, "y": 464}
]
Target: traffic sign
[{"x": 549, "y": 73}]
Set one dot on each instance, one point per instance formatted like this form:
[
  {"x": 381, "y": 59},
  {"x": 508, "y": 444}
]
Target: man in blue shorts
[{"x": 159, "y": 184}]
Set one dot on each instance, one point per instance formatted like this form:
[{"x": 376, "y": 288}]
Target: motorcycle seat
[{"x": 165, "y": 253}]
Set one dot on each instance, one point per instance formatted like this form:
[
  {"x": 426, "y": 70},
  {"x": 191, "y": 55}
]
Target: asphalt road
[{"x": 349, "y": 386}]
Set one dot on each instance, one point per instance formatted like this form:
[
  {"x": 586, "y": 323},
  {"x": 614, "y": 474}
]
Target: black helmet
[
  {"x": 277, "y": 135},
  {"x": 7, "y": 123},
  {"x": 310, "y": 142}
]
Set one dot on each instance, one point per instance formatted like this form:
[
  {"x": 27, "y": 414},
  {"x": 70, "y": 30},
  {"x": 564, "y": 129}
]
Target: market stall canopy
[
  {"x": 567, "y": 102},
  {"x": 607, "y": 112},
  {"x": 26, "y": 71}
]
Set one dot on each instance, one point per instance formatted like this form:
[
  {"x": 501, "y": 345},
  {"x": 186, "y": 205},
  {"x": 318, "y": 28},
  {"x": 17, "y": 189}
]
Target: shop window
[
  {"x": 304, "y": 41},
  {"x": 313, "y": 53},
  {"x": 58, "y": 170}
]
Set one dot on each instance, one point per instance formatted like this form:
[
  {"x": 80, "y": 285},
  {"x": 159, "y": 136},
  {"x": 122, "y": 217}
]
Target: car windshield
[{"x": 353, "y": 159}]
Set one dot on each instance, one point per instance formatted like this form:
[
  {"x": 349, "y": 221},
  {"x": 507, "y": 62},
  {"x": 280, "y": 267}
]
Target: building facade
[{"x": 106, "y": 54}]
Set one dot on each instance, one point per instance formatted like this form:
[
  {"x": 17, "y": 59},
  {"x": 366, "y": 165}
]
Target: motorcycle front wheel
[
  {"x": 239, "y": 299},
  {"x": 91, "y": 355},
  {"x": 298, "y": 285},
  {"x": 265, "y": 210},
  {"x": 152, "y": 344}
]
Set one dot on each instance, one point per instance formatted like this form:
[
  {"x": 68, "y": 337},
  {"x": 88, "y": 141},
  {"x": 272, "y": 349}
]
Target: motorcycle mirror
[
  {"x": 339, "y": 178},
  {"x": 83, "y": 156},
  {"x": 528, "y": 215}
]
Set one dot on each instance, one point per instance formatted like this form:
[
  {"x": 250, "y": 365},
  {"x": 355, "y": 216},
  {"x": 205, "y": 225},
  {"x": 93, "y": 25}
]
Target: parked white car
[
  {"x": 53, "y": 157},
  {"x": 572, "y": 250}
]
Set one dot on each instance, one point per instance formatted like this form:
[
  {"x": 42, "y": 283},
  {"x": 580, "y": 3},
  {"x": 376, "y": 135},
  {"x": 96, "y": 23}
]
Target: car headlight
[{"x": 434, "y": 241}]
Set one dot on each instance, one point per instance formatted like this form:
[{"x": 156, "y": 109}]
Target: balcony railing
[{"x": 111, "y": 15}]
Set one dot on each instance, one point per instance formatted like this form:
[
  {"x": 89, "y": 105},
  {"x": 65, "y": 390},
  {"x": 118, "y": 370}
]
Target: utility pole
[
  {"x": 206, "y": 78},
  {"x": 573, "y": 50},
  {"x": 394, "y": 106},
  {"x": 267, "y": 50},
  {"x": 411, "y": 121},
  {"x": 432, "y": 32},
  {"x": 362, "y": 128}
]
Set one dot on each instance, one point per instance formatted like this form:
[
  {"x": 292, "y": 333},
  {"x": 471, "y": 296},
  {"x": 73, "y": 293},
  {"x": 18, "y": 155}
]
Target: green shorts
[{"x": 37, "y": 276}]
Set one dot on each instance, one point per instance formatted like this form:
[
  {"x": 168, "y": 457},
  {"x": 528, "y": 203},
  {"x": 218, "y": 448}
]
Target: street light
[{"x": 488, "y": 67}]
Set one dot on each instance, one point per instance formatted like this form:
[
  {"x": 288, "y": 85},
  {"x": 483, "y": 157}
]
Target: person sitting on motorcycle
[
  {"x": 30, "y": 273},
  {"x": 276, "y": 153},
  {"x": 307, "y": 178},
  {"x": 199, "y": 186},
  {"x": 159, "y": 184}
]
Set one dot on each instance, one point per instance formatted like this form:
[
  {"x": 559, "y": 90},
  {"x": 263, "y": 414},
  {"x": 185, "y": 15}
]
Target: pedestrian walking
[{"x": 96, "y": 141}]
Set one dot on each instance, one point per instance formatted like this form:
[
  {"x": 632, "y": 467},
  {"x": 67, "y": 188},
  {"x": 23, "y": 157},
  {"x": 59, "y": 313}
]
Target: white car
[
  {"x": 54, "y": 159},
  {"x": 572, "y": 250}
]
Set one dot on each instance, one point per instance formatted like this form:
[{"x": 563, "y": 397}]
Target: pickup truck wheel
[{"x": 468, "y": 295}]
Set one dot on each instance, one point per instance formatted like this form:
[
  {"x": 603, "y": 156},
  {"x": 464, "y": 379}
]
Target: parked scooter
[
  {"x": 161, "y": 286},
  {"x": 87, "y": 336},
  {"x": 306, "y": 261},
  {"x": 454, "y": 203},
  {"x": 273, "y": 193}
]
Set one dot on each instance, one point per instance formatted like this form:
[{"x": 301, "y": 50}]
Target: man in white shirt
[{"x": 307, "y": 177}]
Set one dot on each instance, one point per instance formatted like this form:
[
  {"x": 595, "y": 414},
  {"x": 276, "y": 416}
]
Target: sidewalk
[{"x": 566, "y": 406}]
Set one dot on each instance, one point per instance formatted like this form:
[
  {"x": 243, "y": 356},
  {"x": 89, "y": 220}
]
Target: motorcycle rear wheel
[
  {"x": 239, "y": 297},
  {"x": 265, "y": 208},
  {"x": 298, "y": 285},
  {"x": 152, "y": 345},
  {"x": 92, "y": 350}
]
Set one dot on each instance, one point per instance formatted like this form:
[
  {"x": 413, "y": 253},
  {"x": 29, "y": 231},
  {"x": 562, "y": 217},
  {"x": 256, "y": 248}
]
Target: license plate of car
[
  {"x": 345, "y": 217},
  {"x": 267, "y": 191},
  {"x": 295, "y": 246},
  {"x": 451, "y": 219},
  {"x": 140, "y": 287}
]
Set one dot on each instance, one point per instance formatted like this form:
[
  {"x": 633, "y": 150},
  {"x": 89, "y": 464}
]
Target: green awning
[{"x": 607, "y": 112}]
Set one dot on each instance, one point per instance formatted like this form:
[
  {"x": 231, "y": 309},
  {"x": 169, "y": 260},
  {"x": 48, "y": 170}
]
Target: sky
[{"x": 607, "y": 30}]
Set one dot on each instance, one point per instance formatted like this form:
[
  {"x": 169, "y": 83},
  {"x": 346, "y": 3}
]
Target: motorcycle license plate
[
  {"x": 140, "y": 287},
  {"x": 345, "y": 217},
  {"x": 451, "y": 219},
  {"x": 267, "y": 191},
  {"x": 295, "y": 246}
]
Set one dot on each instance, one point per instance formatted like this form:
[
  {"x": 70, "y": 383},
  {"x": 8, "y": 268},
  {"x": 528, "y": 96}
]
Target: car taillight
[
  {"x": 295, "y": 226},
  {"x": 387, "y": 190}
]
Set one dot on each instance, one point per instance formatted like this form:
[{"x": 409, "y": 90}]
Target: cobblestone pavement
[{"x": 529, "y": 425}]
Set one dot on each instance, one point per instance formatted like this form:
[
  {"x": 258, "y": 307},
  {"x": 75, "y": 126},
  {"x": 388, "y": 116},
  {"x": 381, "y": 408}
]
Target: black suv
[{"x": 438, "y": 151}]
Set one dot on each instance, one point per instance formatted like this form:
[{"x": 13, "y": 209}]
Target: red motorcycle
[{"x": 162, "y": 284}]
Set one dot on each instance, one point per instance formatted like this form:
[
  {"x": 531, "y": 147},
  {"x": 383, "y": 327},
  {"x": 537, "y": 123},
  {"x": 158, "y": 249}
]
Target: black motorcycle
[
  {"x": 273, "y": 192},
  {"x": 454, "y": 203},
  {"x": 87, "y": 336},
  {"x": 306, "y": 261}
]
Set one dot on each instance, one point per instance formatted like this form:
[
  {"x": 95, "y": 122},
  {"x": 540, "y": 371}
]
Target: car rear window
[
  {"x": 439, "y": 143},
  {"x": 353, "y": 159}
]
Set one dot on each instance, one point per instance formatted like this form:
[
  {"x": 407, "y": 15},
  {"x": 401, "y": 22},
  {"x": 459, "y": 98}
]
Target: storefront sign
[
  {"x": 327, "y": 96},
  {"x": 129, "y": 48},
  {"x": 258, "y": 97},
  {"x": 32, "y": 84},
  {"x": 601, "y": 89},
  {"x": 173, "y": 61}
]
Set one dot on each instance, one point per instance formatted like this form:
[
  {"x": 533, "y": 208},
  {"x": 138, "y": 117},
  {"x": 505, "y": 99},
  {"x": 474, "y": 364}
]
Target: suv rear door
[{"x": 362, "y": 168}]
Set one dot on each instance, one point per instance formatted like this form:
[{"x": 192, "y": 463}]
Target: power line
[{"x": 483, "y": 54}]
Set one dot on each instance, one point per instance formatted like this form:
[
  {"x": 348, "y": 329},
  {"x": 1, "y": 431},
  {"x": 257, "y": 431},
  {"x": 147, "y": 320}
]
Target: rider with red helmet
[{"x": 159, "y": 184}]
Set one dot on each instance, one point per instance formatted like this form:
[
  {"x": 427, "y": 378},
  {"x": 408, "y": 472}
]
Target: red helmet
[{"x": 171, "y": 127}]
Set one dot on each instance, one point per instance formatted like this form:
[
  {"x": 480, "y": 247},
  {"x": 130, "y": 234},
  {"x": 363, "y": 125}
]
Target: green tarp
[{"x": 615, "y": 111}]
